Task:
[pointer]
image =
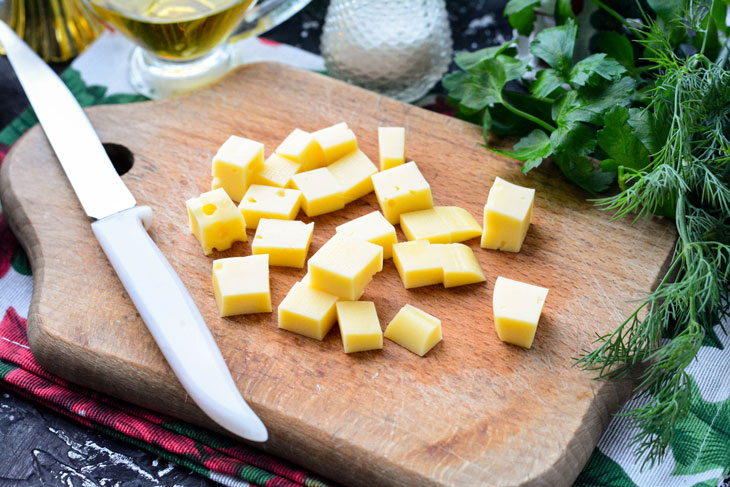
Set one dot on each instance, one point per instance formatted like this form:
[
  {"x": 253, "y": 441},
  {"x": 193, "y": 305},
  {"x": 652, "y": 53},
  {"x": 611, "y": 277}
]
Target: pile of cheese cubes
[{"x": 321, "y": 172}]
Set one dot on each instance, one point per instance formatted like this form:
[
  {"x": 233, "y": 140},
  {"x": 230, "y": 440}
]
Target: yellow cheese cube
[
  {"x": 414, "y": 329},
  {"x": 215, "y": 221},
  {"x": 507, "y": 216},
  {"x": 459, "y": 264},
  {"x": 285, "y": 241},
  {"x": 401, "y": 189},
  {"x": 269, "y": 202},
  {"x": 373, "y": 228},
  {"x": 418, "y": 263},
  {"x": 517, "y": 308},
  {"x": 336, "y": 141},
  {"x": 308, "y": 311},
  {"x": 353, "y": 172},
  {"x": 241, "y": 285},
  {"x": 359, "y": 326},
  {"x": 321, "y": 192},
  {"x": 461, "y": 225},
  {"x": 392, "y": 145},
  {"x": 277, "y": 171},
  {"x": 425, "y": 225},
  {"x": 300, "y": 146},
  {"x": 344, "y": 266},
  {"x": 235, "y": 164}
]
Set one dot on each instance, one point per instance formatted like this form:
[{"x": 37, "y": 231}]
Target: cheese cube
[
  {"x": 353, "y": 172},
  {"x": 269, "y": 202},
  {"x": 517, "y": 308},
  {"x": 401, "y": 189},
  {"x": 344, "y": 266},
  {"x": 373, "y": 228},
  {"x": 235, "y": 164},
  {"x": 307, "y": 311},
  {"x": 215, "y": 221},
  {"x": 392, "y": 145},
  {"x": 241, "y": 285},
  {"x": 425, "y": 225},
  {"x": 418, "y": 263},
  {"x": 336, "y": 141},
  {"x": 285, "y": 241},
  {"x": 414, "y": 329},
  {"x": 277, "y": 171},
  {"x": 300, "y": 146},
  {"x": 461, "y": 225},
  {"x": 459, "y": 264},
  {"x": 507, "y": 216},
  {"x": 321, "y": 192},
  {"x": 359, "y": 326}
]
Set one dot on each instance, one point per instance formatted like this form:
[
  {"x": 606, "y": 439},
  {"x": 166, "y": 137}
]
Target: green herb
[{"x": 648, "y": 109}]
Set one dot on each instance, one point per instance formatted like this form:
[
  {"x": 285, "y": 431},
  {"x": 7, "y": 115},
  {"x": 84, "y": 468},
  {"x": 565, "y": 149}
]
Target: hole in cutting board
[{"x": 121, "y": 157}]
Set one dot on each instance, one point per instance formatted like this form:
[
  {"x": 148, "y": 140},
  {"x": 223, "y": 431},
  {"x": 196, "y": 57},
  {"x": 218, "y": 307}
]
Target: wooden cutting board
[{"x": 474, "y": 411}]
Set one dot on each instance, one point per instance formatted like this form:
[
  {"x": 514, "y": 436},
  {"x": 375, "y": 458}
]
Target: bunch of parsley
[{"x": 648, "y": 111}]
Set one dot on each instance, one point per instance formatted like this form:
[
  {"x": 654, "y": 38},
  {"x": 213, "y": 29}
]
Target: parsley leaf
[
  {"x": 546, "y": 83},
  {"x": 580, "y": 170},
  {"x": 531, "y": 149},
  {"x": 555, "y": 47},
  {"x": 619, "y": 142},
  {"x": 521, "y": 14},
  {"x": 597, "y": 65}
]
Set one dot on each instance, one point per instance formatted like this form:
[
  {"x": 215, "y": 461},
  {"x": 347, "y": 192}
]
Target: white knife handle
[{"x": 174, "y": 320}]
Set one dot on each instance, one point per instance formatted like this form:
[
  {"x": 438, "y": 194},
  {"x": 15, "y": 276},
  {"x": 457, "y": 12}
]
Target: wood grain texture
[{"x": 474, "y": 411}]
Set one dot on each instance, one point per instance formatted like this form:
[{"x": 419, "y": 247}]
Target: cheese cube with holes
[
  {"x": 359, "y": 326},
  {"x": 517, "y": 308},
  {"x": 418, "y": 263},
  {"x": 285, "y": 241},
  {"x": 353, "y": 172},
  {"x": 344, "y": 266},
  {"x": 459, "y": 264},
  {"x": 307, "y": 311},
  {"x": 277, "y": 171},
  {"x": 269, "y": 202},
  {"x": 373, "y": 228},
  {"x": 321, "y": 192},
  {"x": 400, "y": 190},
  {"x": 335, "y": 141},
  {"x": 300, "y": 147},
  {"x": 440, "y": 224},
  {"x": 235, "y": 165},
  {"x": 507, "y": 216},
  {"x": 392, "y": 146},
  {"x": 241, "y": 285},
  {"x": 414, "y": 329},
  {"x": 215, "y": 221},
  {"x": 461, "y": 224}
]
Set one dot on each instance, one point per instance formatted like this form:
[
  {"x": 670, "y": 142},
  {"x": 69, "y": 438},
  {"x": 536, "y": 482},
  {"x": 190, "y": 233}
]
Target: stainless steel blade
[{"x": 98, "y": 186}]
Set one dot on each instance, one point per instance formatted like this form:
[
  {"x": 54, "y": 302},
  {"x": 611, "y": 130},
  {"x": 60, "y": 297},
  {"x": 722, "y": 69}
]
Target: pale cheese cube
[
  {"x": 307, "y": 311},
  {"x": 285, "y": 241},
  {"x": 215, "y": 221},
  {"x": 359, "y": 326},
  {"x": 461, "y": 224},
  {"x": 335, "y": 141},
  {"x": 373, "y": 228},
  {"x": 392, "y": 146},
  {"x": 517, "y": 308},
  {"x": 269, "y": 202},
  {"x": 344, "y": 266},
  {"x": 321, "y": 192},
  {"x": 414, "y": 329},
  {"x": 241, "y": 285},
  {"x": 300, "y": 146},
  {"x": 353, "y": 172},
  {"x": 235, "y": 165},
  {"x": 507, "y": 216},
  {"x": 425, "y": 225},
  {"x": 459, "y": 264},
  {"x": 277, "y": 171},
  {"x": 418, "y": 263},
  {"x": 400, "y": 190}
]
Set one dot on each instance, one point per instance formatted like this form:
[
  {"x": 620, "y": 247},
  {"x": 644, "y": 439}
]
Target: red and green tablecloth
[{"x": 700, "y": 450}]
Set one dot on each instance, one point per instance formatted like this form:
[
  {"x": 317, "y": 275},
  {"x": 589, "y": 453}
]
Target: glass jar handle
[{"x": 266, "y": 16}]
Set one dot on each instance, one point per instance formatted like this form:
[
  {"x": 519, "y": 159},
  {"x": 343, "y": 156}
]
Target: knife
[{"x": 120, "y": 227}]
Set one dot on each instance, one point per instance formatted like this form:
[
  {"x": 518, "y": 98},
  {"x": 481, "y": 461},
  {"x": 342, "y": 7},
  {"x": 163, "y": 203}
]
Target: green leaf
[
  {"x": 667, "y": 10},
  {"x": 618, "y": 47},
  {"x": 580, "y": 171},
  {"x": 482, "y": 84},
  {"x": 619, "y": 142},
  {"x": 531, "y": 149},
  {"x": 555, "y": 46},
  {"x": 573, "y": 137},
  {"x": 563, "y": 11},
  {"x": 595, "y": 65},
  {"x": 588, "y": 103},
  {"x": 546, "y": 83},
  {"x": 20, "y": 262},
  {"x": 645, "y": 128},
  {"x": 521, "y": 15},
  {"x": 454, "y": 83},
  {"x": 466, "y": 59},
  {"x": 514, "y": 6},
  {"x": 602, "y": 471}
]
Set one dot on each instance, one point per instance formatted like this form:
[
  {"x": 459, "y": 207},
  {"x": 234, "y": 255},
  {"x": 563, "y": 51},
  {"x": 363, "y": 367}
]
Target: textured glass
[{"x": 399, "y": 48}]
